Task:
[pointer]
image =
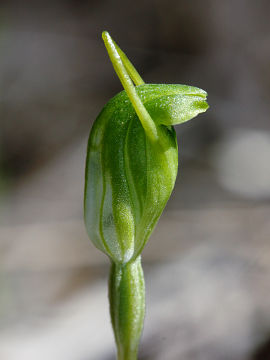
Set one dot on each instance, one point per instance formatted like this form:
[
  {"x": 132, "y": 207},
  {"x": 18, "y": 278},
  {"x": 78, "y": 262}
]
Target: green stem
[{"x": 127, "y": 306}]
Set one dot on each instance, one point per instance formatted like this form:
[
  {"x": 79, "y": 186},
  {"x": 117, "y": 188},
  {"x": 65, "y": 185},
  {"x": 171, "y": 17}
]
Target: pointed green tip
[{"x": 105, "y": 35}]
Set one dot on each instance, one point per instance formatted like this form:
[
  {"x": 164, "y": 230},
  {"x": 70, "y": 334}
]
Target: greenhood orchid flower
[{"x": 131, "y": 168}]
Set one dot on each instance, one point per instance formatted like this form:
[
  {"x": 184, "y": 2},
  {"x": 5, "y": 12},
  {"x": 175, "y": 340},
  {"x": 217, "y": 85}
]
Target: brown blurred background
[{"x": 207, "y": 264}]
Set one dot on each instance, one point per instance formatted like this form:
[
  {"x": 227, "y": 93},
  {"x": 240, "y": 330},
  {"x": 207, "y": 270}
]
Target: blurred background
[{"x": 207, "y": 265}]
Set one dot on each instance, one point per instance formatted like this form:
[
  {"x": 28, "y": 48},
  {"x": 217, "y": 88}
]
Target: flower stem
[{"x": 127, "y": 306}]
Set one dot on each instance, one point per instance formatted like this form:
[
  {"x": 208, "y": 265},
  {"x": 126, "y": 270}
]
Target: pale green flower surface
[{"x": 131, "y": 168}]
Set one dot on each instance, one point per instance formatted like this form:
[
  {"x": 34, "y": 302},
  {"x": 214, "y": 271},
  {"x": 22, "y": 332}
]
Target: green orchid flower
[{"x": 131, "y": 168}]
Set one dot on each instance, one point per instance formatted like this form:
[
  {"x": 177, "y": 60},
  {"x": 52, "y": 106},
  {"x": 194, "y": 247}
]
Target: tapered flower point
[
  {"x": 125, "y": 70},
  {"x": 131, "y": 167}
]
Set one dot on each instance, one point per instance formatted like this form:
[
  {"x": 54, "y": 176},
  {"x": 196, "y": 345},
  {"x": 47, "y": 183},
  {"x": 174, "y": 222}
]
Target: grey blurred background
[{"x": 207, "y": 265}]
